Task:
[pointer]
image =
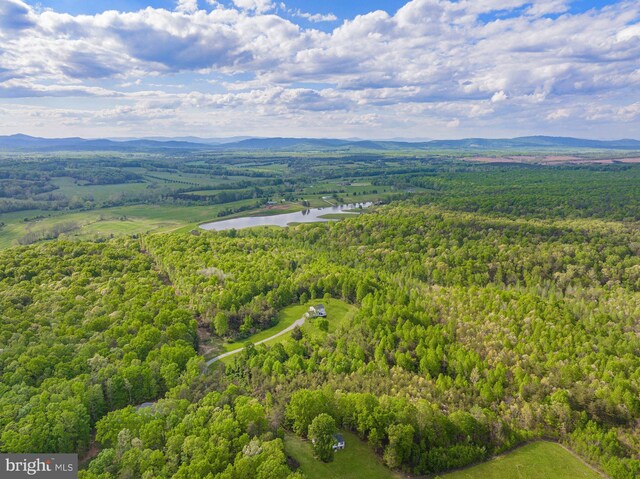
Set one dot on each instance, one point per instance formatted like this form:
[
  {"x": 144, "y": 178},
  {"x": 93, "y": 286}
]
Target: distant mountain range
[
  {"x": 30, "y": 143},
  {"x": 27, "y": 143},
  {"x": 189, "y": 139}
]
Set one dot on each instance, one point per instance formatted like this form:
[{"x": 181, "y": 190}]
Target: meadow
[
  {"x": 538, "y": 460},
  {"x": 339, "y": 313},
  {"x": 356, "y": 461}
]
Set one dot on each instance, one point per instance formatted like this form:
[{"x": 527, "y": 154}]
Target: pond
[{"x": 307, "y": 216}]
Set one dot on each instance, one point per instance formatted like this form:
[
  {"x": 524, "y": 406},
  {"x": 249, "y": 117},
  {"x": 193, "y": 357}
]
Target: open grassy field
[
  {"x": 356, "y": 461},
  {"x": 338, "y": 314},
  {"x": 112, "y": 221},
  {"x": 538, "y": 460},
  {"x": 96, "y": 195},
  {"x": 185, "y": 179},
  {"x": 70, "y": 188},
  {"x": 132, "y": 219},
  {"x": 210, "y": 192}
]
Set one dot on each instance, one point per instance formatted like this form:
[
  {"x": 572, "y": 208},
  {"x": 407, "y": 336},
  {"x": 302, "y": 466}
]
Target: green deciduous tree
[{"x": 321, "y": 433}]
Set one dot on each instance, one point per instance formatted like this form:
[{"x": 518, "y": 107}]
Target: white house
[{"x": 318, "y": 311}]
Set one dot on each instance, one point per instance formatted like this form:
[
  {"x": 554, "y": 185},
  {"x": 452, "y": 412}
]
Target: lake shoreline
[{"x": 311, "y": 215}]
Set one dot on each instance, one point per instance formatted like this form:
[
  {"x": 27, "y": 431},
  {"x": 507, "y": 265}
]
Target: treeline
[
  {"x": 225, "y": 435},
  {"x": 102, "y": 176},
  {"x": 49, "y": 233},
  {"x": 597, "y": 191},
  {"x": 23, "y": 189},
  {"x": 413, "y": 435}
]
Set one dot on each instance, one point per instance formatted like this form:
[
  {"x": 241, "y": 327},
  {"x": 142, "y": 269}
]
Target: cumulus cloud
[
  {"x": 452, "y": 63},
  {"x": 289, "y": 99},
  {"x": 629, "y": 112},
  {"x": 315, "y": 17},
  {"x": 187, "y": 6},
  {"x": 547, "y": 7},
  {"x": 559, "y": 114},
  {"x": 15, "y": 15},
  {"x": 498, "y": 97},
  {"x": 24, "y": 89},
  {"x": 258, "y": 6}
]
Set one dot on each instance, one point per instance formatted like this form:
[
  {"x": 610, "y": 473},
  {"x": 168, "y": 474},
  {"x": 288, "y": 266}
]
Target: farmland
[{"x": 90, "y": 196}]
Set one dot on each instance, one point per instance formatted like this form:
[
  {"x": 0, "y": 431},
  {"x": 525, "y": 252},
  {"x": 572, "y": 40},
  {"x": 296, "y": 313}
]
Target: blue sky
[
  {"x": 373, "y": 69},
  {"x": 341, "y": 8}
]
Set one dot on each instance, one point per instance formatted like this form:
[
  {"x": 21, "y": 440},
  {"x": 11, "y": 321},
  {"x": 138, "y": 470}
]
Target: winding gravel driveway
[{"x": 299, "y": 322}]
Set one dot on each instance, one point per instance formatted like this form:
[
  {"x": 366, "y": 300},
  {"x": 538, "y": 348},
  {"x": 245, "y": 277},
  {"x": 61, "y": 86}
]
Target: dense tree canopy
[
  {"x": 497, "y": 330},
  {"x": 86, "y": 328},
  {"x": 484, "y": 319}
]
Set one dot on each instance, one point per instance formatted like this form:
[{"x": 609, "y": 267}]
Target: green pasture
[
  {"x": 113, "y": 221},
  {"x": 538, "y": 460},
  {"x": 339, "y": 313},
  {"x": 356, "y": 461}
]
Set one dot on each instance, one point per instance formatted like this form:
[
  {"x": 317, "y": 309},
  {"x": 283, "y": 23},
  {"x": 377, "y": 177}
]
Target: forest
[{"x": 496, "y": 304}]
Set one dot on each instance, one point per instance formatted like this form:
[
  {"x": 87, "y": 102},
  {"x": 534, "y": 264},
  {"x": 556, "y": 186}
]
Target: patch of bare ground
[
  {"x": 84, "y": 459},
  {"x": 500, "y": 159},
  {"x": 277, "y": 207},
  {"x": 551, "y": 159},
  {"x": 598, "y": 161},
  {"x": 628, "y": 160},
  {"x": 525, "y": 159},
  {"x": 204, "y": 338}
]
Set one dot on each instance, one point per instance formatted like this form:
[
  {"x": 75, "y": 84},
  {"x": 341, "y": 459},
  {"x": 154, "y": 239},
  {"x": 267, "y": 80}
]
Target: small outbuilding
[{"x": 339, "y": 442}]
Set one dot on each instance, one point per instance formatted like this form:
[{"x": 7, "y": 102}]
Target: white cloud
[
  {"x": 629, "y": 112},
  {"x": 19, "y": 88},
  {"x": 434, "y": 63},
  {"x": 258, "y": 6},
  {"x": 559, "y": 114},
  {"x": 15, "y": 15},
  {"x": 547, "y": 7},
  {"x": 498, "y": 97},
  {"x": 187, "y": 6},
  {"x": 629, "y": 33},
  {"x": 315, "y": 17}
]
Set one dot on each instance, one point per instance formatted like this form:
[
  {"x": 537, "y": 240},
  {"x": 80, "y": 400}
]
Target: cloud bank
[{"x": 434, "y": 68}]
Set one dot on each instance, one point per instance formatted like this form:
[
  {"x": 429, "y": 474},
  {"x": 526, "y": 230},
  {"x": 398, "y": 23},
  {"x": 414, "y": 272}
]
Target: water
[{"x": 306, "y": 216}]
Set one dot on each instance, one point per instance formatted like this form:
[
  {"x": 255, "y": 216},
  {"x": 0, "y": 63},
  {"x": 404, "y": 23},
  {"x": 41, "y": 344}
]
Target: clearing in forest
[{"x": 538, "y": 460}]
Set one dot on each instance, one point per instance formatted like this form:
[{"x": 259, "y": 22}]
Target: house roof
[{"x": 339, "y": 437}]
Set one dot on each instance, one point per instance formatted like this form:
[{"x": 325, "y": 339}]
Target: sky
[{"x": 368, "y": 69}]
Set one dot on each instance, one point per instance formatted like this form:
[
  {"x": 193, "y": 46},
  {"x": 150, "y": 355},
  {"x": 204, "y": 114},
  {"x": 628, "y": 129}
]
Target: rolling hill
[{"x": 20, "y": 142}]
